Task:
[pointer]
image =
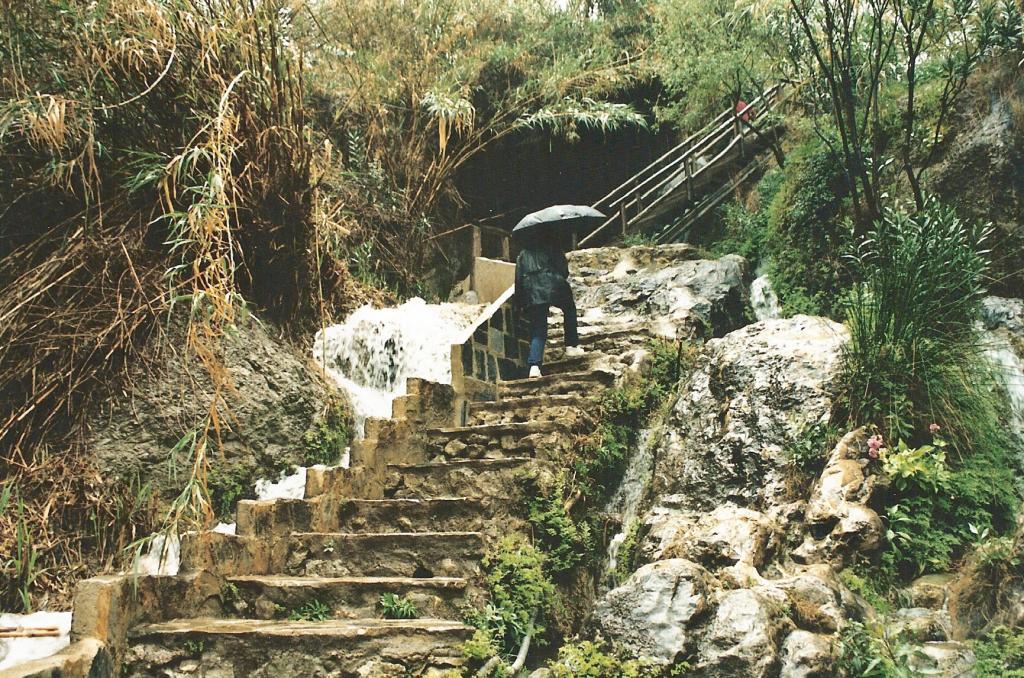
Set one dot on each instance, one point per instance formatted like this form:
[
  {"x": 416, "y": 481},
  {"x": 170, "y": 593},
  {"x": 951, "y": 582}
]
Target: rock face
[
  {"x": 724, "y": 510},
  {"x": 743, "y": 639},
  {"x": 758, "y": 389},
  {"x": 276, "y": 398},
  {"x": 807, "y": 655},
  {"x": 670, "y": 285},
  {"x": 987, "y": 157},
  {"x": 653, "y": 612},
  {"x": 839, "y": 522},
  {"x": 727, "y": 535}
]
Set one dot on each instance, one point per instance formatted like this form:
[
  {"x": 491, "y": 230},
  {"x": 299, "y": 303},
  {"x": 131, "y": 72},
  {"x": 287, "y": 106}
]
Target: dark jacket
[{"x": 542, "y": 276}]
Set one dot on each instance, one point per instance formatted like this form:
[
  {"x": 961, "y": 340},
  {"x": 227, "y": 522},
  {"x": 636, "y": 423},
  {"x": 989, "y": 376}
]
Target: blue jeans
[{"x": 538, "y": 317}]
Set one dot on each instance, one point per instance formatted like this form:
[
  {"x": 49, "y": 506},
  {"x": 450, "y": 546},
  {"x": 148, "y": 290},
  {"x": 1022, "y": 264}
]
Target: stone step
[
  {"x": 330, "y": 514},
  {"x": 541, "y": 439},
  {"x": 277, "y": 596},
  {"x": 528, "y": 408},
  {"x": 556, "y": 384},
  {"x": 563, "y": 365},
  {"x": 336, "y": 554},
  {"x": 599, "y": 341},
  {"x": 477, "y": 478},
  {"x": 283, "y": 649}
]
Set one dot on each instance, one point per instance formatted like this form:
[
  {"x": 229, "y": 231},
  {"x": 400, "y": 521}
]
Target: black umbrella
[{"x": 556, "y": 216}]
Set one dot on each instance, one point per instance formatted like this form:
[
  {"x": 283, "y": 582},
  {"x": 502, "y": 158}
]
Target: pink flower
[
  {"x": 934, "y": 428},
  {"x": 874, "y": 445}
]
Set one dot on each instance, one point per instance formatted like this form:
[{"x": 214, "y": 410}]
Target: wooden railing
[{"x": 679, "y": 169}]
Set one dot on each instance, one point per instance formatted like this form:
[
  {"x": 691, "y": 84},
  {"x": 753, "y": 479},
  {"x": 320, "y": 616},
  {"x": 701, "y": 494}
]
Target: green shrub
[
  {"x": 866, "y": 653},
  {"x": 806, "y": 232},
  {"x": 914, "y": 361},
  {"x": 745, "y": 232},
  {"x": 564, "y": 541},
  {"x": 912, "y": 323},
  {"x": 1000, "y": 654},
  {"x": 326, "y": 440},
  {"x": 639, "y": 240},
  {"x": 521, "y": 597},
  {"x": 590, "y": 659},
  {"x": 398, "y": 607},
  {"x": 795, "y": 229}
]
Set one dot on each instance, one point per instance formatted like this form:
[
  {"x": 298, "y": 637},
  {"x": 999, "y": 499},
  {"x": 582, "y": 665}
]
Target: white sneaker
[
  {"x": 534, "y": 371},
  {"x": 573, "y": 351}
]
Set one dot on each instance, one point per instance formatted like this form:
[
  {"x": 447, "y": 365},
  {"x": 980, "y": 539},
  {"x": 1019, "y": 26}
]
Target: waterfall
[
  {"x": 763, "y": 299},
  {"x": 375, "y": 350},
  {"x": 1003, "y": 319},
  {"x": 1010, "y": 369},
  {"x": 629, "y": 496}
]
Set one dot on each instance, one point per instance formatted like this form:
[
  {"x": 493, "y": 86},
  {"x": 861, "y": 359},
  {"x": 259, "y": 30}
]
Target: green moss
[
  {"x": 625, "y": 563},
  {"x": 811, "y": 446},
  {"x": 601, "y": 460},
  {"x": 326, "y": 440},
  {"x": 226, "y": 485},
  {"x": 868, "y": 587}
]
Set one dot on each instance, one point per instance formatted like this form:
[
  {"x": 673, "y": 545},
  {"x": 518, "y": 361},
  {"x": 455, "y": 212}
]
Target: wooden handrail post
[
  {"x": 478, "y": 244},
  {"x": 506, "y": 248},
  {"x": 689, "y": 178},
  {"x": 738, "y": 127},
  {"x": 622, "y": 217}
]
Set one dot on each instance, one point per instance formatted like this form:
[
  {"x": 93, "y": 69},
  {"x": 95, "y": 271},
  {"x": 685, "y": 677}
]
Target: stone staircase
[{"x": 296, "y": 590}]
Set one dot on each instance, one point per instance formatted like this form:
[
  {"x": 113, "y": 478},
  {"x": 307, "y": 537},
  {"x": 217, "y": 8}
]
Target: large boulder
[
  {"x": 654, "y": 612},
  {"x": 808, "y": 655},
  {"x": 839, "y": 522},
  {"x": 726, "y": 536},
  {"x": 743, "y": 639},
  {"x": 668, "y": 287},
  {"x": 758, "y": 388}
]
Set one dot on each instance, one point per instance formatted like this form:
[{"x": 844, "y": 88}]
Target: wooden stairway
[{"x": 665, "y": 198}]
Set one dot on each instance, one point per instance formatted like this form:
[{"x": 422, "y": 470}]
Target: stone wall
[{"x": 495, "y": 348}]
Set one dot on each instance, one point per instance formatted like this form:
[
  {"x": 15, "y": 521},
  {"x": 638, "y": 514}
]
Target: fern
[{"x": 398, "y": 607}]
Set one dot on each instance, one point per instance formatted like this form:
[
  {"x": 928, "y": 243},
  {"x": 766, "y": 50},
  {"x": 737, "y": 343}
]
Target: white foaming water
[
  {"x": 628, "y": 498},
  {"x": 763, "y": 299},
  {"x": 288, "y": 485},
  {"x": 1010, "y": 368},
  {"x": 14, "y": 651},
  {"x": 164, "y": 556},
  {"x": 375, "y": 350}
]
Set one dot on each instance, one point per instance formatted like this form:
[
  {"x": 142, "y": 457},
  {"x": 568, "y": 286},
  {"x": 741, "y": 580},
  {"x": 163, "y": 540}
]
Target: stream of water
[
  {"x": 763, "y": 299},
  {"x": 375, "y": 350}
]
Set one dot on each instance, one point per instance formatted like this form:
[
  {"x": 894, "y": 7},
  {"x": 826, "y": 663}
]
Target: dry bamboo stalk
[{"x": 29, "y": 631}]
